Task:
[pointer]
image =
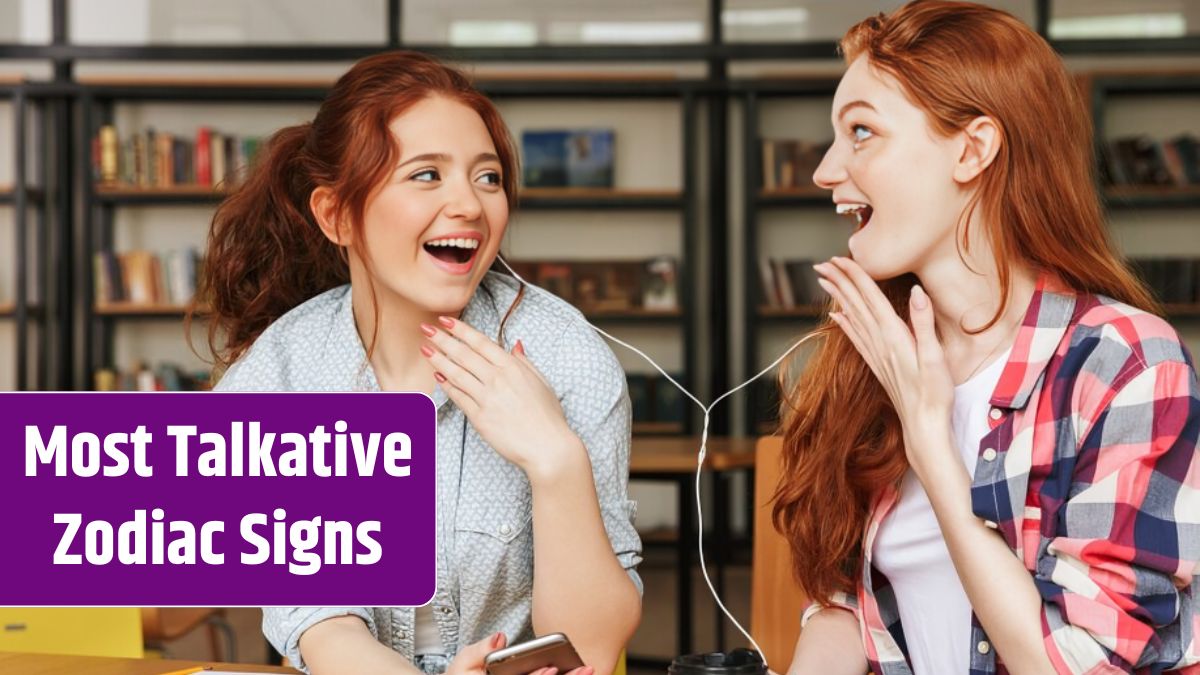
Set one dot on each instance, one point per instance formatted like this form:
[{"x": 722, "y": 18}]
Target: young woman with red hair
[
  {"x": 990, "y": 462},
  {"x": 355, "y": 257}
]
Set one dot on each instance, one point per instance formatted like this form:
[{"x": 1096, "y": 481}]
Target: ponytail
[{"x": 266, "y": 253}]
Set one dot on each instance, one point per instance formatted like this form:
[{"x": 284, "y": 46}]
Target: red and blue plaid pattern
[{"x": 1094, "y": 483}]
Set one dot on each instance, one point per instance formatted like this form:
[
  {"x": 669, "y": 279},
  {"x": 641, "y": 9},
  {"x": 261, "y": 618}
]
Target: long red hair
[
  {"x": 956, "y": 61},
  {"x": 266, "y": 253}
]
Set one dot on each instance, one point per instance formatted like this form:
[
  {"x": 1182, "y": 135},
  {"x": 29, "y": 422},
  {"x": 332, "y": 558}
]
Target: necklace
[{"x": 991, "y": 352}]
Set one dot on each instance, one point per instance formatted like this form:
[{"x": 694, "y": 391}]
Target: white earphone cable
[{"x": 703, "y": 443}]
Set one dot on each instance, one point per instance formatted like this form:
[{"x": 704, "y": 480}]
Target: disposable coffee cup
[{"x": 738, "y": 662}]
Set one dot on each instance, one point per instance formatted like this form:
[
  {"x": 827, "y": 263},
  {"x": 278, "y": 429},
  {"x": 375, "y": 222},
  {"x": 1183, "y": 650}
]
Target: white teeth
[
  {"x": 456, "y": 243},
  {"x": 843, "y": 209}
]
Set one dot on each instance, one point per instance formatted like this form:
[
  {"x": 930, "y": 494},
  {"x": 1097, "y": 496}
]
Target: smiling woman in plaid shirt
[{"x": 990, "y": 462}]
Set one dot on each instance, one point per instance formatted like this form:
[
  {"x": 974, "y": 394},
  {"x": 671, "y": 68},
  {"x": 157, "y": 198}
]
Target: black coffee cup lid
[{"x": 738, "y": 662}]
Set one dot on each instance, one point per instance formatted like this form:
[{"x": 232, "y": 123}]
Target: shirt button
[
  {"x": 992, "y": 524},
  {"x": 403, "y": 635},
  {"x": 995, "y": 413},
  {"x": 983, "y": 647},
  {"x": 446, "y": 610},
  {"x": 989, "y": 454},
  {"x": 505, "y": 529}
]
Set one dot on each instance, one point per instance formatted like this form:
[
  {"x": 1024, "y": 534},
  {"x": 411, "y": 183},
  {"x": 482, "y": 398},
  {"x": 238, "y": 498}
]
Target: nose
[
  {"x": 462, "y": 203},
  {"x": 832, "y": 170}
]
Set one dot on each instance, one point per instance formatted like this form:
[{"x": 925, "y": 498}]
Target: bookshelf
[
  {"x": 790, "y": 222},
  {"x": 112, "y": 206},
  {"x": 1155, "y": 221}
]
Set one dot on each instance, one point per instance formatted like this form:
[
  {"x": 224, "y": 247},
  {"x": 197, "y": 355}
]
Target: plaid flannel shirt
[{"x": 1090, "y": 473}]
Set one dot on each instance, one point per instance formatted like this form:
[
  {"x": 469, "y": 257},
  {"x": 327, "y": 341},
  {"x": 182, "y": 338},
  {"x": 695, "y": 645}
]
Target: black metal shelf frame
[
  {"x": 22, "y": 199},
  {"x": 752, "y": 96}
]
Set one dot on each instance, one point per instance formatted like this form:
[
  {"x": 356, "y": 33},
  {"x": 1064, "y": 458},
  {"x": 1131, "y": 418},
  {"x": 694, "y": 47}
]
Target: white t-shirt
[
  {"x": 911, "y": 552},
  {"x": 426, "y": 638}
]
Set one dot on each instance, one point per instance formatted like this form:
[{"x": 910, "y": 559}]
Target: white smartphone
[{"x": 549, "y": 650}]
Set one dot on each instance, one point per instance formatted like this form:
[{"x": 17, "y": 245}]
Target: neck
[
  {"x": 396, "y": 357},
  {"x": 966, "y": 295}
]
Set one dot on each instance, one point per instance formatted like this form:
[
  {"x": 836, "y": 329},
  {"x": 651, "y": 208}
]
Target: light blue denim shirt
[{"x": 484, "y": 516}]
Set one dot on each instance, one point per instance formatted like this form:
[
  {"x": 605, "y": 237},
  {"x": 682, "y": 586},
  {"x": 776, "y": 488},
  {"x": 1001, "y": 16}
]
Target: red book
[{"x": 204, "y": 156}]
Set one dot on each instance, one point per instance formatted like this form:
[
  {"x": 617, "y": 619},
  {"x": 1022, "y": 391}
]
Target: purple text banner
[{"x": 217, "y": 499}]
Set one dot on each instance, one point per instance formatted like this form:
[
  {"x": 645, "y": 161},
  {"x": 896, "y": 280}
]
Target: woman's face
[
  {"x": 434, "y": 227},
  {"x": 887, "y": 159}
]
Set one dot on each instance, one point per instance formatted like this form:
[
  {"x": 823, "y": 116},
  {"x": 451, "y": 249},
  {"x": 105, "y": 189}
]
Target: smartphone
[{"x": 549, "y": 650}]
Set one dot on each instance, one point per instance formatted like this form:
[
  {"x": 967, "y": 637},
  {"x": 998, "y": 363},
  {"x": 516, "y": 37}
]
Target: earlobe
[
  {"x": 325, "y": 209},
  {"x": 981, "y": 143}
]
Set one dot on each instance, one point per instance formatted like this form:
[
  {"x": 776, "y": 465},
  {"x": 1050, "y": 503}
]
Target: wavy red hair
[{"x": 956, "y": 61}]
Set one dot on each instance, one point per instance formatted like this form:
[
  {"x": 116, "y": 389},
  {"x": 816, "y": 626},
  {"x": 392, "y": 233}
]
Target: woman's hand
[
  {"x": 909, "y": 363},
  {"x": 470, "y": 659},
  {"x": 506, "y": 399}
]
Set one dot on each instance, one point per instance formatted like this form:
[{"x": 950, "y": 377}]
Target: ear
[
  {"x": 327, "y": 211},
  {"x": 980, "y": 145}
]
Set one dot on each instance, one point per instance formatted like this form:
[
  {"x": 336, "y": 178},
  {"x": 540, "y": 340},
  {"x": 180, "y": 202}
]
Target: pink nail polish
[
  {"x": 446, "y": 321},
  {"x": 439, "y": 377},
  {"x": 428, "y": 330},
  {"x": 426, "y": 351}
]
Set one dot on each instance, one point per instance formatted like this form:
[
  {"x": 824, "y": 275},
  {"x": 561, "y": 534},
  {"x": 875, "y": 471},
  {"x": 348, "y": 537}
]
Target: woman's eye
[
  {"x": 425, "y": 175},
  {"x": 860, "y": 133},
  {"x": 491, "y": 178}
]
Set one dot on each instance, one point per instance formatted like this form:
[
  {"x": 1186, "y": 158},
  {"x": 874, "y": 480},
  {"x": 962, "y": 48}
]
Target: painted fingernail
[
  {"x": 428, "y": 330},
  {"x": 519, "y": 347},
  {"x": 446, "y": 321},
  {"x": 498, "y": 637},
  {"x": 438, "y": 376},
  {"x": 426, "y": 351},
  {"x": 919, "y": 299}
]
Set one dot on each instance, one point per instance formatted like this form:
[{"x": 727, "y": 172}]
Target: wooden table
[
  {"x": 55, "y": 664},
  {"x": 673, "y": 459}
]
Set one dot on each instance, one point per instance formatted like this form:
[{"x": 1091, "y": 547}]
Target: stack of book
[
  {"x": 158, "y": 159},
  {"x": 608, "y": 286},
  {"x": 788, "y": 284},
  {"x": 146, "y": 278},
  {"x": 789, "y": 164},
  {"x": 1142, "y": 160},
  {"x": 1175, "y": 281}
]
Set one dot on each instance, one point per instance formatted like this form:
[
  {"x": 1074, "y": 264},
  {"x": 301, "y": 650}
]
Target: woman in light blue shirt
[{"x": 355, "y": 257}]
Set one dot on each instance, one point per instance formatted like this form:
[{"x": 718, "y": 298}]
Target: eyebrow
[
  {"x": 442, "y": 157},
  {"x": 855, "y": 104}
]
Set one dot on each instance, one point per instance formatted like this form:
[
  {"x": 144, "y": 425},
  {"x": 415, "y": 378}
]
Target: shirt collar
[{"x": 1046, "y": 321}]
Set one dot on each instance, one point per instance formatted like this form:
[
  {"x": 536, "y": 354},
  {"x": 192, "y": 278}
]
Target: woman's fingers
[
  {"x": 868, "y": 290},
  {"x": 449, "y": 372},
  {"x": 482, "y": 344},
  {"x": 459, "y": 352}
]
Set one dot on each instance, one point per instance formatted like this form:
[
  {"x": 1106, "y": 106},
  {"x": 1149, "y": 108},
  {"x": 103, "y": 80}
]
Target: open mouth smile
[
  {"x": 861, "y": 212},
  {"x": 454, "y": 254}
]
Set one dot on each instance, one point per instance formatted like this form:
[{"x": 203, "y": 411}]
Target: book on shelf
[
  {"x": 1144, "y": 161},
  {"x": 567, "y": 157},
  {"x": 655, "y": 400},
  {"x": 165, "y": 377},
  {"x": 611, "y": 286},
  {"x": 788, "y": 284},
  {"x": 155, "y": 159},
  {"x": 146, "y": 278},
  {"x": 788, "y": 164},
  {"x": 1175, "y": 281}
]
